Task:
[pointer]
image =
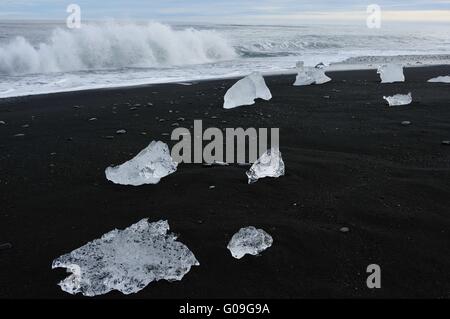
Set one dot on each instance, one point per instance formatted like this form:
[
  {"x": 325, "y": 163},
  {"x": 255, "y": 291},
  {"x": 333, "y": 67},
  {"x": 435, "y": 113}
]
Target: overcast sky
[{"x": 230, "y": 11}]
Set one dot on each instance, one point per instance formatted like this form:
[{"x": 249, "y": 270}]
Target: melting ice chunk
[
  {"x": 246, "y": 90},
  {"x": 250, "y": 241},
  {"x": 390, "y": 73},
  {"x": 126, "y": 260},
  {"x": 310, "y": 75},
  {"x": 148, "y": 167},
  {"x": 441, "y": 79},
  {"x": 270, "y": 164},
  {"x": 398, "y": 99}
]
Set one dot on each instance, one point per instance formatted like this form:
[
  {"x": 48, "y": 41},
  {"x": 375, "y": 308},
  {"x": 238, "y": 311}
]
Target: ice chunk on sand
[
  {"x": 270, "y": 164},
  {"x": 441, "y": 79},
  {"x": 126, "y": 260},
  {"x": 390, "y": 73},
  {"x": 246, "y": 90},
  {"x": 399, "y": 99},
  {"x": 310, "y": 75},
  {"x": 148, "y": 167},
  {"x": 250, "y": 241}
]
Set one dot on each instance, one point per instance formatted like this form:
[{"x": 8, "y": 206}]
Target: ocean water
[{"x": 38, "y": 57}]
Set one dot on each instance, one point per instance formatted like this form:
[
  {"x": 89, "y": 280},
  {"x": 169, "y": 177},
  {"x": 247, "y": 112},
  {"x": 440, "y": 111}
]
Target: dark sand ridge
[{"x": 349, "y": 162}]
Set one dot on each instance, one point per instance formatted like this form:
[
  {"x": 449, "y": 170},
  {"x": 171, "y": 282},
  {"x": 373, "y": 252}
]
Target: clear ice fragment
[
  {"x": 440, "y": 79},
  {"x": 270, "y": 164},
  {"x": 398, "y": 99},
  {"x": 148, "y": 167},
  {"x": 126, "y": 260},
  {"x": 310, "y": 75},
  {"x": 249, "y": 240}
]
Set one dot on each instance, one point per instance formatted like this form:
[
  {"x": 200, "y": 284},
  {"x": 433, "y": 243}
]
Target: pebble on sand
[
  {"x": 5, "y": 246},
  {"x": 121, "y": 132}
]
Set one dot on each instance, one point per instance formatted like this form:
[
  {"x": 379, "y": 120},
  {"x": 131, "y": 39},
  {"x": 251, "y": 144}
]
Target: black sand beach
[{"x": 349, "y": 163}]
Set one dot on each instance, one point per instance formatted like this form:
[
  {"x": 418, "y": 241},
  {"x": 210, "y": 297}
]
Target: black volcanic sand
[{"x": 349, "y": 163}]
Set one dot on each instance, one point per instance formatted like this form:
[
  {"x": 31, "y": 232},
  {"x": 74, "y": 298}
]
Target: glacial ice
[
  {"x": 246, "y": 91},
  {"x": 310, "y": 75},
  {"x": 148, "y": 167},
  {"x": 270, "y": 164},
  {"x": 126, "y": 260},
  {"x": 250, "y": 241},
  {"x": 399, "y": 99},
  {"x": 390, "y": 73},
  {"x": 440, "y": 79}
]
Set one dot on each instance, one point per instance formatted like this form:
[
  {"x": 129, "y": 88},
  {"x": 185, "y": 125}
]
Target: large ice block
[
  {"x": 390, "y": 73},
  {"x": 126, "y": 260},
  {"x": 148, "y": 167},
  {"x": 246, "y": 91}
]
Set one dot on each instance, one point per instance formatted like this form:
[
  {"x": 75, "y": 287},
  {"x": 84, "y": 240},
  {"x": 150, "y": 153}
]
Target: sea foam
[{"x": 114, "y": 46}]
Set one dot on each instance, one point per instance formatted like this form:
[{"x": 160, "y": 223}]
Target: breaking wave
[{"x": 114, "y": 46}]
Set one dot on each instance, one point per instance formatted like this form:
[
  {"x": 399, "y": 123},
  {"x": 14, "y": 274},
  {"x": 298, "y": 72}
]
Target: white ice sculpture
[
  {"x": 270, "y": 164},
  {"x": 390, "y": 73},
  {"x": 148, "y": 167},
  {"x": 126, "y": 260},
  {"x": 246, "y": 91},
  {"x": 398, "y": 99},
  {"x": 250, "y": 241}
]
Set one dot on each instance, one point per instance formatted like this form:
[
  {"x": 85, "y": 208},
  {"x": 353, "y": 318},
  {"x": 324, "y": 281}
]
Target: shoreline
[{"x": 337, "y": 67}]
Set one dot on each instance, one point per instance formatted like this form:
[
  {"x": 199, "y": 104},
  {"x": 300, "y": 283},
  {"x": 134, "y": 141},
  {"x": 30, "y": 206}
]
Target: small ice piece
[
  {"x": 440, "y": 79},
  {"x": 399, "y": 99},
  {"x": 249, "y": 240},
  {"x": 148, "y": 167},
  {"x": 126, "y": 260},
  {"x": 270, "y": 164},
  {"x": 390, "y": 73},
  {"x": 310, "y": 75},
  {"x": 246, "y": 91}
]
